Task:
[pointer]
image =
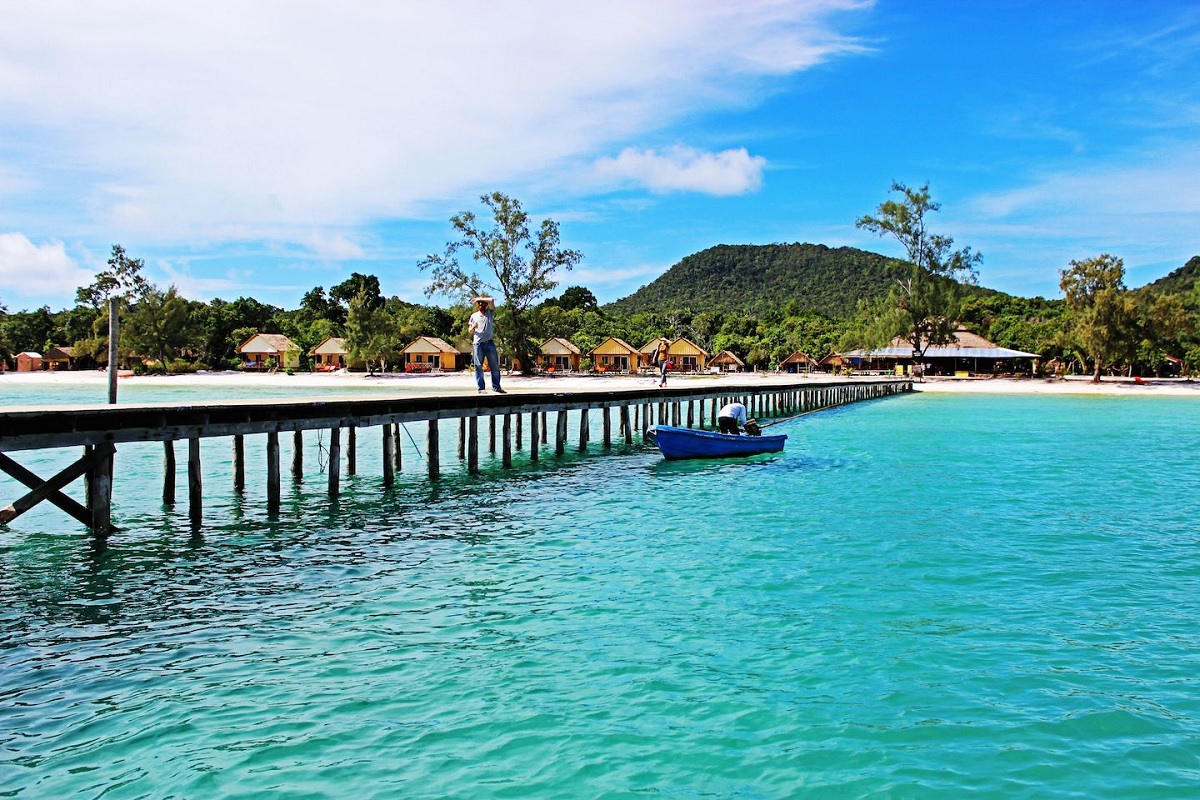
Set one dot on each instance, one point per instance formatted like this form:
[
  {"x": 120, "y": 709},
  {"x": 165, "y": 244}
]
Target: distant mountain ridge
[
  {"x": 754, "y": 278},
  {"x": 1178, "y": 281}
]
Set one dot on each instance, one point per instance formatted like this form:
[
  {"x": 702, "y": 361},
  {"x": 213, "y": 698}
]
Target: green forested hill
[
  {"x": 759, "y": 278},
  {"x": 1179, "y": 281}
]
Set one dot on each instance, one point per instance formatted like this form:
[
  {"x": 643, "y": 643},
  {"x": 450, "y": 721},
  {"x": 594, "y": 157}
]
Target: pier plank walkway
[{"x": 100, "y": 428}]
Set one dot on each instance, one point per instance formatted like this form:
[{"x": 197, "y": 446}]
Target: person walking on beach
[
  {"x": 482, "y": 327},
  {"x": 730, "y": 417},
  {"x": 661, "y": 358}
]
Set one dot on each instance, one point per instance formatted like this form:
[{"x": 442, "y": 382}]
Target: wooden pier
[{"x": 100, "y": 429}]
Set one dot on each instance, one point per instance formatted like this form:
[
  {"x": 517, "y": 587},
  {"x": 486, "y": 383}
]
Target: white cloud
[
  {"x": 729, "y": 172},
  {"x": 31, "y": 270},
  {"x": 1143, "y": 207},
  {"x": 236, "y": 119}
]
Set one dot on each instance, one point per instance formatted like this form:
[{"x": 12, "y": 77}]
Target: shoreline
[{"x": 463, "y": 382}]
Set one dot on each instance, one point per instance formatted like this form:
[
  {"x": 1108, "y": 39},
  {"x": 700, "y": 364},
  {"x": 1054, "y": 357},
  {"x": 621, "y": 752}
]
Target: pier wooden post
[
  {"x": 492, "y": 434},
  {"x": 584, "y": 428},
  {"x": 534, "y": 433},
  {"x": 625, "y": 426},
  {"x": 691, "y": 415},
  {"x": 545, "y": 427},
  {"x": 352, "y": 450},
  {"x": 389, "y": 444},
  {"x": 239, "y": 463},
  {"x": 462, "y": 438},
  {"x": 398, "y": 459},
  {"x": 168, "y": 473},
  {"x": 335, "y": 462},
  {"x": 517, "y": 436},
  {"x": 195, "y": 482},
  {"x": 560, "y": 433},
  {"x": 99, "y": 490},
  {"x": 506, "y": 447},
  {"x": 606, "y": 425},
  {"x": 272, "y": 472},
  {"x": 473, "y": 444},
  {"x": 431, "y": 448},
  {"x": 297, "y": 455}
]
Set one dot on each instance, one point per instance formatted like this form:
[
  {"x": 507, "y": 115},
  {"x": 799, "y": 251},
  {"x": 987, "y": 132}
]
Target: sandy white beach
[{"x": 463, "y": 382}]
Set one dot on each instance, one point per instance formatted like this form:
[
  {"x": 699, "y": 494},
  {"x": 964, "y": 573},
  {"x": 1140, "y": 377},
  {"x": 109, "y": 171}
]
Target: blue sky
[{"x": 260, "y": 148}]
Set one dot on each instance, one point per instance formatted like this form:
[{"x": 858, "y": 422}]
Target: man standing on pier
[{"x": 483, "y": 330}]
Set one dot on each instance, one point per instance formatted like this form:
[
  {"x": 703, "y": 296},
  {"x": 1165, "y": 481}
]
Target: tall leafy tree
[
  {"x": 923, "y": 306},
  {"x": 158, "y": 324},
  {"x": 518, "y": 266},
  {"x": 356, "y": 286},
  {"x": 372, "y": 336},
  {"x": 123, "y": 279},
  {"x": 1101, "y": 312}
]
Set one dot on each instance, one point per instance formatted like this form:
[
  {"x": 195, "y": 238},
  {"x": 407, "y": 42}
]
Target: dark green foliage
[
  {"x": 1180, "y": 281},
  {"x": 756, "y": 279}
]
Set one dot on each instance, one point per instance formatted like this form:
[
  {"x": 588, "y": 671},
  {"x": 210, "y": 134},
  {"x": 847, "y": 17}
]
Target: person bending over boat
[{"x": 730, "y": 417}]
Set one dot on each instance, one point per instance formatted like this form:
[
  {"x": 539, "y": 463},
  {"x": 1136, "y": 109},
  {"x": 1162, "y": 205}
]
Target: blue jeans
[{"x": 487, "y": 350}]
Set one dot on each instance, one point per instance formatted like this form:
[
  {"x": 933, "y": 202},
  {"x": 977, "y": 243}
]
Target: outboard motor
[{"x": 752, "y": 428}]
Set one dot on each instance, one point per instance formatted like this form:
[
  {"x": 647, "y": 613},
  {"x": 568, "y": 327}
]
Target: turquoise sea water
[{"x": 925, "y": 596}]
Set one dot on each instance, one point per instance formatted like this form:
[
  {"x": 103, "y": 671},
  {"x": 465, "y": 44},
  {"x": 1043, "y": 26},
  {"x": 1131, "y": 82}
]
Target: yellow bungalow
[
  {"x": 798, "y": 362},
  {"x": 614, "y": 355},
  {"x": 687, "y": 355},
  {"x": 649, "y": 350},
  {"x": 329, "y": 355},
  {"x": 559, "y": 355},
  {"x": 429, "y": 353},
  {"x": 726, "y": 361},
  {"x": 264, "y": 351}
]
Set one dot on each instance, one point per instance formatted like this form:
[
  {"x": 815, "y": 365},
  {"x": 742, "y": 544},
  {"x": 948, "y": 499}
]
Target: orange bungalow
[
  {"x": 687, "y": 355},
  {"x": 614, "y": 355},
  {"x": 329, "y": 355},
  {"x": 726, "y": 361},
  {"x": 430, "y": 354},
  {"x": 58, "y": 358},
  {"x": 29, "y": 361},
  {"x": 264, "y": 351},
  {"x": 798, "y": 362},
  {"x": 559, "y": 355}
]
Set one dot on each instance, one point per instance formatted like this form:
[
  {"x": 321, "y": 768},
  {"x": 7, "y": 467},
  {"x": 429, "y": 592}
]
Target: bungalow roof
[
  {"x": 726, "y": 357},
  {"x": 333, "y": 346},
  {"x": 798, "y": 357},
  {"x": 966, "y": 345},
  {"x": 613, "y": 345},
  {"x": 267, "y": 343},
  {"x": 556, "y": 345},
  {"x": 429, "y": 344}
]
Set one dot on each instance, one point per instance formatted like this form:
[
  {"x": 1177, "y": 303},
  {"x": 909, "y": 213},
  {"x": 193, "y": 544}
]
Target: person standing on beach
[
  {"x": 661, "y": 357},
  {"x": 482, "y": 327}
]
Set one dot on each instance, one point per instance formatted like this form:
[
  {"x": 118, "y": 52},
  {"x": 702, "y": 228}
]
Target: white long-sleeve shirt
[{"x": 735, "y": 411}]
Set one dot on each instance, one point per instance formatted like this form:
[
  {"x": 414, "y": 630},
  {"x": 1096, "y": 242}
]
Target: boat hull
[{"x": 681, "y": 443}]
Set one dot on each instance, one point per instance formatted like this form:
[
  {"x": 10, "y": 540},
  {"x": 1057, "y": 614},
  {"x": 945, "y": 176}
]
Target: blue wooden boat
[{"x": 680, "y": 443}]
